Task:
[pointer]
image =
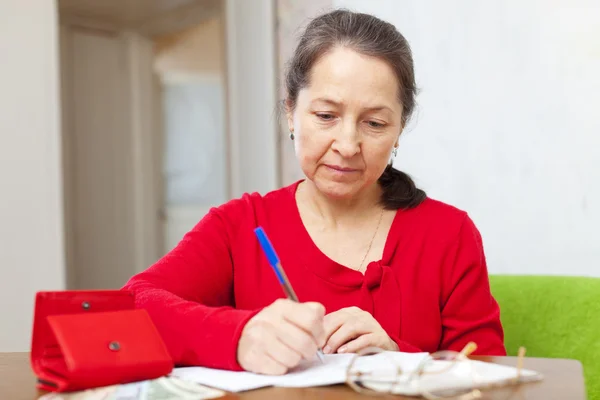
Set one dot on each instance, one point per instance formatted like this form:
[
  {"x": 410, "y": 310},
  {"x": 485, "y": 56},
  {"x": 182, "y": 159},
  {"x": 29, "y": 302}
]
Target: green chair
[{"x": 553, "y": 317}]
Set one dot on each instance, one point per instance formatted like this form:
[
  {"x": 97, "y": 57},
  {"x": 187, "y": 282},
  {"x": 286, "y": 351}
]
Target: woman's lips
[{"x": 340, "y": 169}]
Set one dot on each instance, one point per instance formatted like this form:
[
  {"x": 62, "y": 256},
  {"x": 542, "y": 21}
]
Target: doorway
[
  {"x": 153, "y": 98},
  {"x": 195, "y": 163}
]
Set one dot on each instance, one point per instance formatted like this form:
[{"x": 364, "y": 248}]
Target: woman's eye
[
  {"x": 375, "y": 124},
  {"x": 325, "y": 116}
]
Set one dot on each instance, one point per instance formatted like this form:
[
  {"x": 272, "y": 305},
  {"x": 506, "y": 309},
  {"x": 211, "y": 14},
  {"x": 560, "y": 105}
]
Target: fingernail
[
  {"x": 342, "y": 349},
  {"x": 326, "y": 349}
]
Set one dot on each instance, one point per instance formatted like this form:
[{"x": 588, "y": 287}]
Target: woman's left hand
[{"x": 351, "y": 329}]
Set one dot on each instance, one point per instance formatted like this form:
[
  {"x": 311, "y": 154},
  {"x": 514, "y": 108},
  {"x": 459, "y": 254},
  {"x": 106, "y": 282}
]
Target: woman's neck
[{"x": 340, "y": 212}]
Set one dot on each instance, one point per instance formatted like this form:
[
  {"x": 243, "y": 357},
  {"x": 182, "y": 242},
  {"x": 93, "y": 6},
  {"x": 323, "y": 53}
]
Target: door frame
[{"x": 252, "y": 77}]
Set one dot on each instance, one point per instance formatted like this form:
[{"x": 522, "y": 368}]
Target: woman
[{"x": 373, "y": 261}]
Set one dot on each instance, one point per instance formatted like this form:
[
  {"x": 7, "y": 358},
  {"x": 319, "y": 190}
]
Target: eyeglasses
[{"x": 447, "y": 375}]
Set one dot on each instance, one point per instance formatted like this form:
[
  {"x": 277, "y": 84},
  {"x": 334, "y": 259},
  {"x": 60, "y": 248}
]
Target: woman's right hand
[{"x": 280, "y": 336}]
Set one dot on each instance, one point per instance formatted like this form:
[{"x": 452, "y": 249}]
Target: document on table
[
  {"x": 334, "y": 370},
  {"x": 308, "y": 374}
]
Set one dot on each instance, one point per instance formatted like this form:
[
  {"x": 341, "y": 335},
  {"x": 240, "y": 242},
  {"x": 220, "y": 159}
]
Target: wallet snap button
[
  {"x": 85, "y": 305},
  {"x": 114, "y": 346}
]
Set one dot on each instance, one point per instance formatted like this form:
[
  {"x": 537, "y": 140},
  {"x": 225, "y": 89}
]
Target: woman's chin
[{"x": 338, "y": 190}]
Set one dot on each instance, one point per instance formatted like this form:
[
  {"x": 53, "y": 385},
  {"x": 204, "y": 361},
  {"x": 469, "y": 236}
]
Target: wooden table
[{"x": 563, "y": 380}]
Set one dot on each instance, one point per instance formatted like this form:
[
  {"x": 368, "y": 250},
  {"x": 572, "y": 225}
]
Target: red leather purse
[{"x": 87, "y": 339}]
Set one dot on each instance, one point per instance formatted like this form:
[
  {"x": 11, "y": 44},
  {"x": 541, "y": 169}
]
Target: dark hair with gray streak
[{"x": 370, "y": 36}]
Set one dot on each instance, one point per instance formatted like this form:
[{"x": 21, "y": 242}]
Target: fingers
[
  {"x": 282, "y": 353},
  {"x": 262, "y": 363},
  {"x": 268, "y": 366},
  {"x": 252, "y": 356},
  {"x": 280, "y": 336},
  {"x": 298, "y": 339},
  {"x": 265, "y": 353},
  {"x": 306, "y": 316},
  {"x": 333, "y": 321},
  {"x": 358, "y": 344},
  {"x": 349, "y": 330}
]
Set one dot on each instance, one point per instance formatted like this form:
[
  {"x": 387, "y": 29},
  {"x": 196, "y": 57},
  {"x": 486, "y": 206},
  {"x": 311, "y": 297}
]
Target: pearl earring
[{"x": 395, "y": 151}]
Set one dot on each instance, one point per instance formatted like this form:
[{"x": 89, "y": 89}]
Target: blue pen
[{"x": 269, "y": 251}]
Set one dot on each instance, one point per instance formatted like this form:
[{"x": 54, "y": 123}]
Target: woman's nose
[{"x": 347, "y": 142}]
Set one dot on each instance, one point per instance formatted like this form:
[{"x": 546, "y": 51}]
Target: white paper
[
  {"x": 334, "y": 370},
  {"x": 308, "y": 374}
]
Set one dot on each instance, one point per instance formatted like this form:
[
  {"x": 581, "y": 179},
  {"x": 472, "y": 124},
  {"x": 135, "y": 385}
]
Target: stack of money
[{"x": 165, "y": 388}]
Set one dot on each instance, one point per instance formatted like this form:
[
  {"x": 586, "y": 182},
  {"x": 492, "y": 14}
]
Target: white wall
[
  {"x": 508, "y": 125},
  {"x": 31, "y": 218}
]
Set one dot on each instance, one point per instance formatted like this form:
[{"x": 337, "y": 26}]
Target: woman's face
[{"x": 346, "y": 122}]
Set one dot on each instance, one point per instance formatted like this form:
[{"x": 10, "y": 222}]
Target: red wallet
[{"x": 87, "y": 339}]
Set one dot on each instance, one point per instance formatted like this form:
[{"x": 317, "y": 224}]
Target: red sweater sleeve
[
  {"x": 469, "y": 312},
  {"x": 189, "y": 295}
]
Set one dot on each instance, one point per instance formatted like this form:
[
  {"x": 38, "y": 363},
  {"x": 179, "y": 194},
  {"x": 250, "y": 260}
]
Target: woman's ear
[
  {"x": 402, "y": 126},
  {"x": 289, "y": 114},
  {"x": 397, "y": 142}
]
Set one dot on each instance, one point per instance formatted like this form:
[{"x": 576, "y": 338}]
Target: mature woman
[{"x": 372, "y": 259}]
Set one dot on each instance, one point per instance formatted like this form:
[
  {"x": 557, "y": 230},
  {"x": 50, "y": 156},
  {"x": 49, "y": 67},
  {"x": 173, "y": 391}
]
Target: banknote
[{"x": 165, "y": 388}]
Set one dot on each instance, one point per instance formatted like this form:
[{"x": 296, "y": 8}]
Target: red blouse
[{"x": 430, "y": 291}]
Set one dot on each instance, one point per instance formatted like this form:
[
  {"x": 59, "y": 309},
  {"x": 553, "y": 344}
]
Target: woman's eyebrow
[
  {"x": 335, "y": 103},
  {"x": 327, "y": 100}
]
